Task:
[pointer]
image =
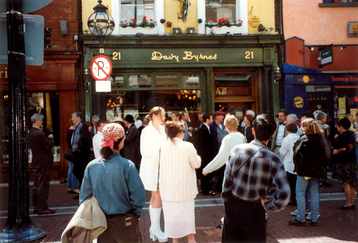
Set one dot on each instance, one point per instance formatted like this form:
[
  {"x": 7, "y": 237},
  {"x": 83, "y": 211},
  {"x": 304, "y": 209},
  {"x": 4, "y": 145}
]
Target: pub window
[
  {"x": 137, "y": 13},
  {"x": 221, "y": 12}
]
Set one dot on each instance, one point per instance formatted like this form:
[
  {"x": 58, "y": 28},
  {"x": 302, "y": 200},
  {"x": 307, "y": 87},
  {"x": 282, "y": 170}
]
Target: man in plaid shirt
[{"x": 255, "y": 181}]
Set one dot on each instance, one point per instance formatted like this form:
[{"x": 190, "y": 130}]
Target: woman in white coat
[
  {"x": 151, "y": 139},
  {"x": 229, "y": 141},
  {"x": 177, "y": 183}
]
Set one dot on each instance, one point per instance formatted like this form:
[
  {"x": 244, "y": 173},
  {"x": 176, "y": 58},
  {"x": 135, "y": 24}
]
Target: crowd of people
[{"x": 257, "y": 163}]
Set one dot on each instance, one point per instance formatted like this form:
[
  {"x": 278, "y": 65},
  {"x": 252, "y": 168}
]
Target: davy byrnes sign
[{"x": 101, "y": 67}]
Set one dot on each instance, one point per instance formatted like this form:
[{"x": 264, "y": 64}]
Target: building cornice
[{"x": 228, "y": 41}]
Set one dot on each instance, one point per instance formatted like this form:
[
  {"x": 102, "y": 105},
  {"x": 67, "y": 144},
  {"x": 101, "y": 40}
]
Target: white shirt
[
  {"x": 177, "y": 177},
  {"x": 286, "y": 151},
  {"x": 280, "y": 134},
  {"x": 228, "y": 142},
  {"x": 97, "y": 141}
]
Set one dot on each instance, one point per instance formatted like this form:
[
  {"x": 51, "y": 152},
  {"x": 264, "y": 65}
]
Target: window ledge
[{"x": 338, "y": 5}]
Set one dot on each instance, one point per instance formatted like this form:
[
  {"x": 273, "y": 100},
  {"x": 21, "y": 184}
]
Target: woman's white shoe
[
  {"x": 158, "y": 236},
  {"x": 154, "y": 232}
]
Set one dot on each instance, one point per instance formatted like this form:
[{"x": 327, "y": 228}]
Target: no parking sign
[{"x": 101, "y": 67}]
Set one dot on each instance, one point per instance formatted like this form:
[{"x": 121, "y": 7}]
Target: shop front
[
  {"x": 346, "y": 93},
  {"x": 51, "y": 90},
  {"x": 194, "y": 74},
  {"x": 306, "y": 90}
]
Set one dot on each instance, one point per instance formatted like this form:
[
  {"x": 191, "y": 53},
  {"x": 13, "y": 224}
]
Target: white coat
[
  {"x": 178, "y": 161},
  {"x": 150, "y": 142}
]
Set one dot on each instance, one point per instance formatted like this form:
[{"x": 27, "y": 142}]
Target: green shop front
[{"x": 194, "y": 74}]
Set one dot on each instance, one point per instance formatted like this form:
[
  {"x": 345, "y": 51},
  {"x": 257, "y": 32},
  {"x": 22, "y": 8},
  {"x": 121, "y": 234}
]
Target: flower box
[
  {"x": 137, "y": 30},
  {"x": 222, "y": 30}
]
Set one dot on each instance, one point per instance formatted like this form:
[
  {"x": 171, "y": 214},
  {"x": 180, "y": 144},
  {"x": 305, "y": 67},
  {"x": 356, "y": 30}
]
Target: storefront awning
[{"x": 293, "y": 69}]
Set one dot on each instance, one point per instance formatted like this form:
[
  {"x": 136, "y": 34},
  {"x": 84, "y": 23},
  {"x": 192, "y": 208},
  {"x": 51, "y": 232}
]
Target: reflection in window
[
  {"x": 221, "y": 12},
  {"x": 137, "y": 13}
]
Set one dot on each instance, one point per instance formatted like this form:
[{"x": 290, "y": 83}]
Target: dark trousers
[
  {"x": 218, "y": 179},
  {"x": 244, "y": 221},
  {"x": 121, "y": 229},
  {"x": 292, "y": 181},
  {"x": 205, "y": 181},
  {"x": 40, "y": 189}
]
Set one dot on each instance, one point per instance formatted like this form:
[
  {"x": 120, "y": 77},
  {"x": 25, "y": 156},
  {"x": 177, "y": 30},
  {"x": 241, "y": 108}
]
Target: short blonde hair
[
  {"x": 157, "y": 110},
  {"x": 231, "y": 122}
]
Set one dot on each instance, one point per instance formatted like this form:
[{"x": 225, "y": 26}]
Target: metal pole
[{"x": 19, "y": 227}]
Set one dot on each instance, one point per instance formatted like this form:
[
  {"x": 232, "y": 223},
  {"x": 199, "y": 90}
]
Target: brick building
[
  {"x": 321, "y": 38},
  {"x": 53, "y": 88}
]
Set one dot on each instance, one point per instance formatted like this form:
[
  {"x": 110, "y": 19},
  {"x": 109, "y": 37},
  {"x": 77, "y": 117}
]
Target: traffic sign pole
[{"x": 19, "y": 227}]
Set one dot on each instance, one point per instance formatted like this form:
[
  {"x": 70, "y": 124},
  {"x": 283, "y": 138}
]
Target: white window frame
[
  {"x": 241, "y": 13},
  {"x": 158, "y": 15}
]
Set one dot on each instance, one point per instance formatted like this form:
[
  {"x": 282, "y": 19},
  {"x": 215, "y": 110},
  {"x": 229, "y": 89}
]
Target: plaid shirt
[{"x": 262, "y": 177}]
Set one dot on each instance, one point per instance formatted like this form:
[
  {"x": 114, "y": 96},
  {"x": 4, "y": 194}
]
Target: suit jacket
[
  {"x": 40, "y": 147},
  {"x": 81, "y": 150},
  {"x": 132, "y": 145},
  {"x": 206, "y": 143}
]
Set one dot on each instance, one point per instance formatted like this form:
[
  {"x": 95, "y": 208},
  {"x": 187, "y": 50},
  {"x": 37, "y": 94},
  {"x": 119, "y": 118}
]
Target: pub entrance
[{"x": 236, "y": 90}]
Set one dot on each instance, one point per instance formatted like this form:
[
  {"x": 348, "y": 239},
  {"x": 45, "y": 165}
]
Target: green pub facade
[{"x": 196, "y": 72}]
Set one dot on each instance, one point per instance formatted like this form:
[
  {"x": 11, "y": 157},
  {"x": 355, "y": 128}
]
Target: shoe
[
  {"x": 313, "y": 223},
  {"x": 71, "y": 191},
  {"x": 44, "y": 211},
  {"x": 308, "y": 216},
  {"x": 212, "y": 193},
  {"x": 294, "y": 212},
  {"x": 155, "y": 233},
  {"x": 157, "y": 236},
  {"x": 295, "y": 222},
  {"x": 345, "y": 207}
]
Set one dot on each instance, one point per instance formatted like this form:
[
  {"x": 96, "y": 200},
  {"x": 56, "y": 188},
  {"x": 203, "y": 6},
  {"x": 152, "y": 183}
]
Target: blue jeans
[
  {"x": 72, "y": 181},
  {"x": 311, "y": 189}
]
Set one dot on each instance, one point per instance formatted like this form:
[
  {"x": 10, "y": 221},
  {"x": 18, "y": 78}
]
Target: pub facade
[{"x": 196, "y": 56}]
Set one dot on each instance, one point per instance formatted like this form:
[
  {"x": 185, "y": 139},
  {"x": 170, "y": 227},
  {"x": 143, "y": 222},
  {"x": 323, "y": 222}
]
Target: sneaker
[
  {"x": 308, "y": 216},
  {"x": 313, "y": 223},
  {"x": 295, "y": 222},
  {"x": 294, "y": 212}
]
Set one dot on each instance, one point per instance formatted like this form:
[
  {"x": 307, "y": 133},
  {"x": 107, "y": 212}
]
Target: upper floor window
[
  {"x": 137, "y": 13},
  {"x": 221, "y": 12}
]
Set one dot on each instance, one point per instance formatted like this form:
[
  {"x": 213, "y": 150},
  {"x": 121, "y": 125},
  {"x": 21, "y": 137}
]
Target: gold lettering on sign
[
  {"x": 116, "y": 56},
  {"x": 190, "y": 56},
  {"x": 158, "y": 56},
  {"x": 249, "y": 55}
]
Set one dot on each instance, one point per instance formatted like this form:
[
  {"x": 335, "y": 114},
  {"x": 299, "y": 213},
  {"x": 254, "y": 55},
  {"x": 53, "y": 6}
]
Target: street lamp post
[
  {"x": 100, "y": 23},
  {"x": 18, "y": 226}
]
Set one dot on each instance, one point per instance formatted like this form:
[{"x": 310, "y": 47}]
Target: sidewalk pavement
[{"x": 335, "y": 225}]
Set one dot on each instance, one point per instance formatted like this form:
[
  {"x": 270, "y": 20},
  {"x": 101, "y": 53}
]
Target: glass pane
[
  {"x": 222, "y": 12},
  {"x": 139, "y": 81},
  {"x": 137, "y": 13},
  {"x": 139, "y": 102}
]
